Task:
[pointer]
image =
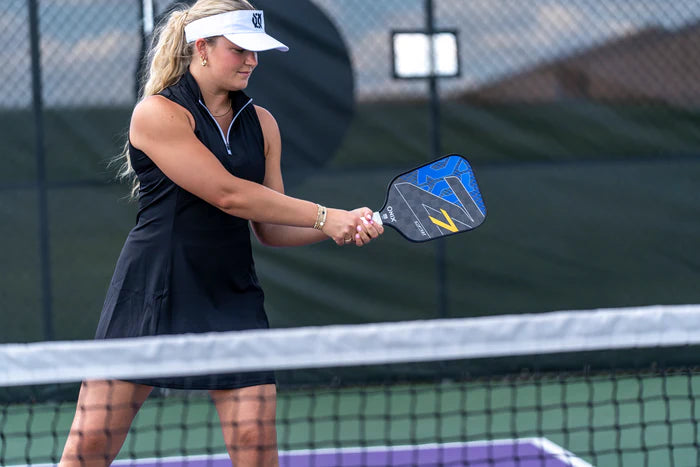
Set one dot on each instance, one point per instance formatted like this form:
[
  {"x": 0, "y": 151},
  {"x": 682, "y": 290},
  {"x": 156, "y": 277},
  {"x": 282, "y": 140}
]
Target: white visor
[{"x": 245, "y": 28}]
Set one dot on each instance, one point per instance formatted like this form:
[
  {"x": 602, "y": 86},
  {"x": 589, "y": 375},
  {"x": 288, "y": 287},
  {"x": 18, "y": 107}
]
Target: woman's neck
[{"x": 216, "y": 99}]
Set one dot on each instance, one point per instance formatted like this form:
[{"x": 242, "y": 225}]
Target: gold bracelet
[
  {"x": 320, "y": 217},
  {"x": 322, "y": 220}
]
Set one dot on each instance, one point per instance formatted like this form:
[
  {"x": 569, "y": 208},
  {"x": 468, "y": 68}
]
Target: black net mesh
[{"x": 468, "y": 392}]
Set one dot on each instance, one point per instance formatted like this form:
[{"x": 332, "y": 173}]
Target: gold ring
[{"x": 348, "y": 239}]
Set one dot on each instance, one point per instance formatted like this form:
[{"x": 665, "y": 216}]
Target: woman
[{"x": 207, "y": 163}]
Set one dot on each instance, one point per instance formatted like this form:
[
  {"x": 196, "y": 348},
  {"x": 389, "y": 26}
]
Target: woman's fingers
[
  {"x": 366, "y": 230},
  {"x": 360, "y": 229},
  {"x": 361, "y": 237},
  {"x": 373, "y": 229}
]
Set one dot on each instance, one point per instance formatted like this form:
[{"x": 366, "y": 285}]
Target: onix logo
[
  {"x": 392, "y": 216},
  {"x": 257, "y": 20}
]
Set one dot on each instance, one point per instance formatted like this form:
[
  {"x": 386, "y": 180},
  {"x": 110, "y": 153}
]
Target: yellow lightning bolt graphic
[{"x": 450, "y": 225}]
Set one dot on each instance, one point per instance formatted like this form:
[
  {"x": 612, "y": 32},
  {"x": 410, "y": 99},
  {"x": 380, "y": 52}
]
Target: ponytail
[{"x": 170, "y": 56}]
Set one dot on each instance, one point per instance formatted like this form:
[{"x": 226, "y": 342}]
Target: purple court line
[{"x": 530, "y": 452}]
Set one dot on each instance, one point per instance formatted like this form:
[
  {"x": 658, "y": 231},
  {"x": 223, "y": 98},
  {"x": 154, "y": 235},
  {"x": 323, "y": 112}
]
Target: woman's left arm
[{"x": 284, "y": 235}]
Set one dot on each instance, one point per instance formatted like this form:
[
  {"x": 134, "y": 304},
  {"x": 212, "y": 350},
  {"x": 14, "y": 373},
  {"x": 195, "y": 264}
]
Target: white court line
[{"x": 559, "y": 452}]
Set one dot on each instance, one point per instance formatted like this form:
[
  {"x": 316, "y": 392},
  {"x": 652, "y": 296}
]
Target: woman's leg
[
  {"x": 247, "y": 418},
  {"x": 102, "y": 419}
]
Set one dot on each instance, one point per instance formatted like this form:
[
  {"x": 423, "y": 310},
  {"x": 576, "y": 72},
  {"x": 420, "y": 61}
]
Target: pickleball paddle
[{"x": 435, "y": 200}]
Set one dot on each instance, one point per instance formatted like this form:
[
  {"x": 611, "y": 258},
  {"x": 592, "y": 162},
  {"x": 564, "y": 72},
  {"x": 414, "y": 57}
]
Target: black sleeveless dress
[{"x": 187, "y": 267}]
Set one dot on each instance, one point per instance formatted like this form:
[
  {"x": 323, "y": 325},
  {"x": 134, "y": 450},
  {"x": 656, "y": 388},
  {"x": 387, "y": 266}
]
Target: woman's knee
[
  {"x": 254, "y": 433},
  {"x": 102, "y": 418},
  {"x": 90, "y": 449},
  {"x": 253, "y": 444},
  {"x": 254, "y": 440}
]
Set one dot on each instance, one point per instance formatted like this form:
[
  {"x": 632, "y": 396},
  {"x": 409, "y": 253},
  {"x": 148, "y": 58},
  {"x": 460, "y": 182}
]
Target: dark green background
[{"x": 589, "y": 205}]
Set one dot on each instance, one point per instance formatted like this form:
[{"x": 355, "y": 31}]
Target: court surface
[{"x": 533, "y": 452}]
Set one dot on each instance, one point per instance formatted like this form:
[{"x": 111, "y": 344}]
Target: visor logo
[{"x": 257, "y": 20}]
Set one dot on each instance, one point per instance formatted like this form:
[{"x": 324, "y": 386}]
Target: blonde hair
[{"x": 169, "y": 59}]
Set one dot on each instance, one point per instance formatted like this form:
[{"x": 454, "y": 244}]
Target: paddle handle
[{"x": 377, "y": 218}]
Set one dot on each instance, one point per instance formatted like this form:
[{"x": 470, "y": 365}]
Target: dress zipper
[{"x": 221, "y": 132}]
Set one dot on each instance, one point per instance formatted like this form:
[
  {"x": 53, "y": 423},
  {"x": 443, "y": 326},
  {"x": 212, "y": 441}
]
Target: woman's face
[{"x": 231, "y": 66}]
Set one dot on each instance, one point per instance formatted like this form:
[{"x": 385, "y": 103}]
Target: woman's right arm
[{"x": 165, "y": 132}]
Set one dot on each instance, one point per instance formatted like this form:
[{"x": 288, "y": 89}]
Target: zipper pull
[{"x": 228, "y": 148}]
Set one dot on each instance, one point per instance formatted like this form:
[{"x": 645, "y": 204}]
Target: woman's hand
[
  {"x": 346, "y": 227},
  {"x": 341, "y": 225},
  {"x": 366, "y": 228}
]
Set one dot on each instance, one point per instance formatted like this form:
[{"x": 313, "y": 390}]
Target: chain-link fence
[{"x": 581, "y": 118}]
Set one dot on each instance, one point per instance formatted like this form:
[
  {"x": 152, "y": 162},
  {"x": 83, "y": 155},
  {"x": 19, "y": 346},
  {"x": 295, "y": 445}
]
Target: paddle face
[{"x": 435, "y": 200}]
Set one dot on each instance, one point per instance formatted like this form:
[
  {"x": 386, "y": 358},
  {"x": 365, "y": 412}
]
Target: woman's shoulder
[
  {"x": 156, "y": 117},
  {"x": 267, "y": 121},
  {"x": 160, "y": 109},
  {"x": 155, "y": 104}
]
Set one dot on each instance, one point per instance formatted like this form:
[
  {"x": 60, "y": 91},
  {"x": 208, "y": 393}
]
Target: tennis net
[{"x": 614, "y": 387}]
